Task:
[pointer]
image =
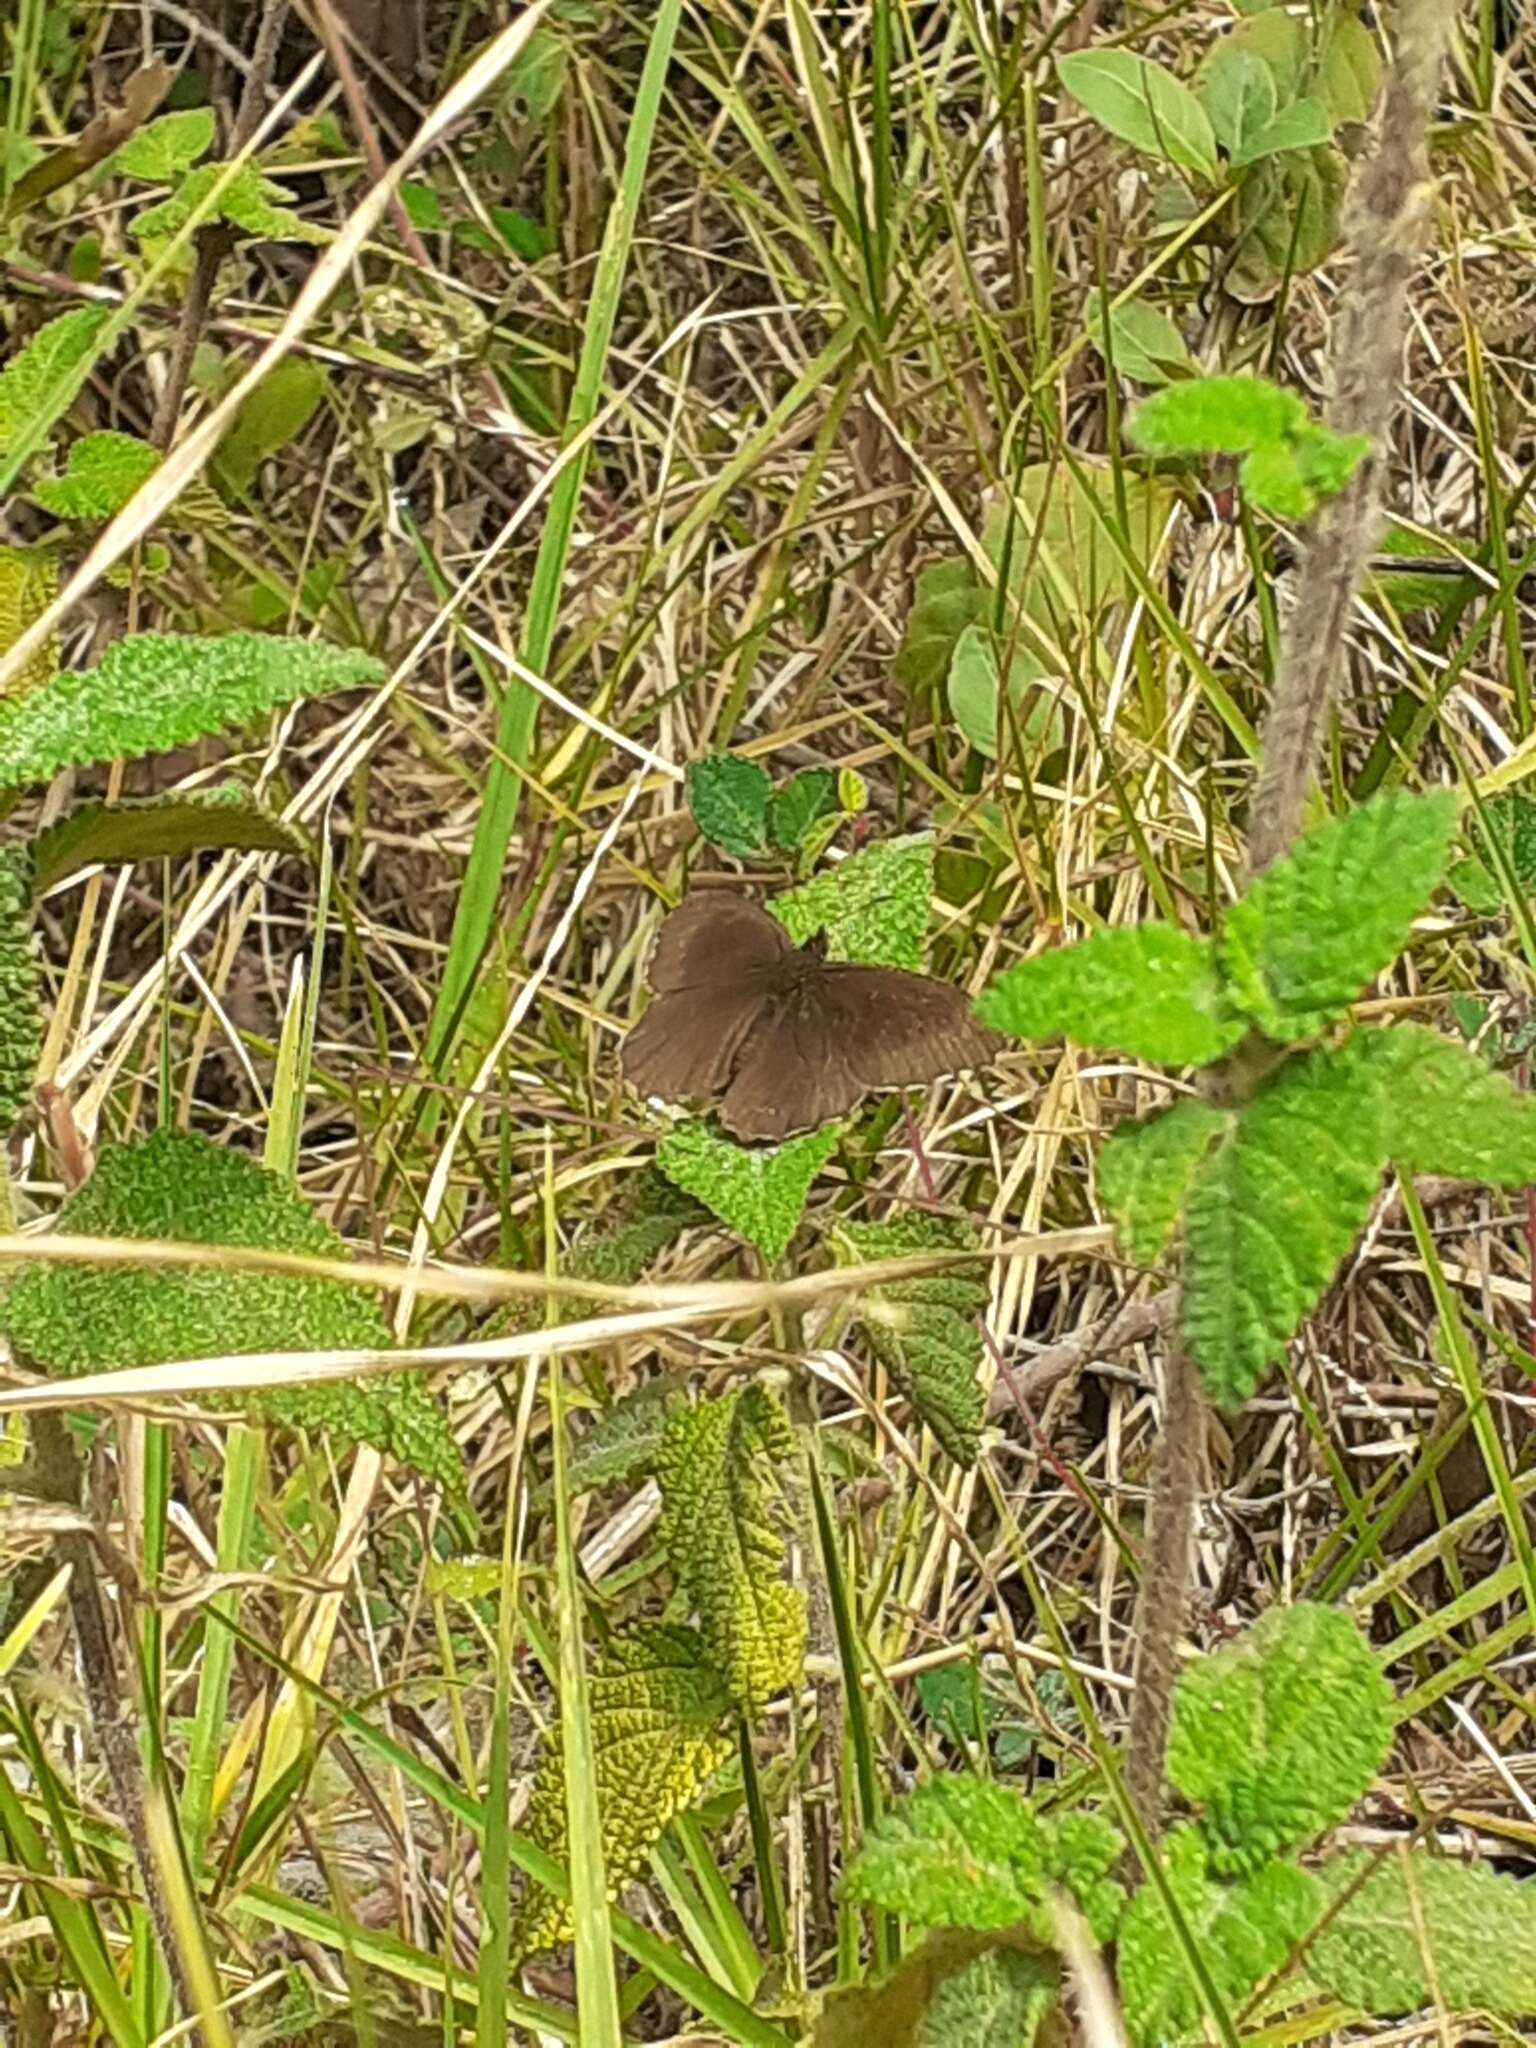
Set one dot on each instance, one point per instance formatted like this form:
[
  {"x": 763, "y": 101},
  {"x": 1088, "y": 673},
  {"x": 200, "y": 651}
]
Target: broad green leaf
[
  {"x": 948, "y": 598},
  {"x": 963, "y": 1851},
  {"x": 1291, "y": 479},
  {"x": 533, "y": 83},
  {"x": 657, "y": 1709},
  {"x": 716, "y": 1467},
  {"x": 1426, "y": 1930},
  {"x": 1288, "y": 216},
  {"x": 70, "y": 1320},
  {"x": 249, "y": 202},
  {"x": 1321, "y": 924},
  {"x": 1272, "y": 38},
  {"x": 1145, "y": 1172},
  {"x": 729, "y": 800},
  {"x": 21, "y": 1010},
  {"x": 1351, "y": 70},
  {"x": 277, "y": 412},
  {"x": 800, "y": 805},
  {"x": 158, "y": 827},
  {"x": 153, "y": 691},
  {"x": 974, "y": 687},
  {"x": 165, "y": 148},
  {"x": 1271, "y": 1213},
  {"x": 1143, "y": 343},
  {"x": 1143, "y": 104},
  {"x": 1149, "y": 990},
  {"x": 1278, "y": 1736},
  {"x": 38, "y": 385},
  {"x": 102, "y": 474},
  {"x": 925, "y": 1331},
  {"x": 759, "y": 1191},
  {"x": 1446, "y": 1111},
  {"x": 1304, "y": 124},
  {"x": 1050, "y": 539},
  {"x": 1218, "y": 415},
  {"x": 1238, "y": 92},
  {"x": 998, "y": 2001},
  {"x": 1243, "y": 1932},
  {"x": 874, "y": 906},
  {"x": 29, "y": 582}
]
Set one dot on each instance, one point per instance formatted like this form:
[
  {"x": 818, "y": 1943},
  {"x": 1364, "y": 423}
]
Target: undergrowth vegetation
[{"x": 1037, "y": 497}]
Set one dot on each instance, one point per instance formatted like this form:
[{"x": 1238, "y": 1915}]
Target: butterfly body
[{"x": 785, "y": 1038}]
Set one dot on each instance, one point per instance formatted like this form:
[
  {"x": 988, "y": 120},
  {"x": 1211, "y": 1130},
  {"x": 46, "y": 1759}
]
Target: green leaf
[
  {"x": 1427, "y": 1931},
  {"x": 1509, "y": 819},
  {"x": 1049, "y": 538},
  {"x": 894, "y": 2012},
  {"x": 974, "y": 686},
  {"x": 1351, "y": 71},
  {"x": 1143, "y": 104},
  {"x": 1242, "y": 1931},
  {"x": 1145, "y": 1172},
  {"x": 964, "y": 1851},
  {"x": 1304, "y": 124},
  {"x": 1149, "y": 990},
  {"x": 1292, "y": 478},
  {"x": 1141, "y": 342},
  {"x": 947, "y": 599},
  {"x": 1218, "y": 415},
  {"x": 729, "y": 800},
  {"x": 802, "y": 803},
  {"x": 102, "y": 474},
  {"x": 1320, "y": 925},
  {"x": 873, "y": 907},
  {"x": 159, "y": 827},
  {"x": 998, "y": 2001},
  {"x": 925, "y": 1331},
  {"x": 759, "y": 1191},
  {"x": 277, "y": 412},
  {"x": 715, "y": 1466},
  {"x": 165, "y": 148},
  {"x": 534, "y": 81},
  {"x": 40, "y": 383},
  {"x": 29, "y": 582},
  {"x": 1271, "y": 1213},
  {"x": 21, "y": 1010},
  {"x": 1279, "y": 1735},
  {"x": 1288, "y": 216},
  {"x": 248, "y": 202},
  {"x": 624, "y": 1440},
  {"x": 1444, "y": 1110},
  {"x": 656, "y": 1708},
  {"x": 154, "y": 691},
  {"x": 1238, "y": 92},
  {"x": 71, "y": 1320}
]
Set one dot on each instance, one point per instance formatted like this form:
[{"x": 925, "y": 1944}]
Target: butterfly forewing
[{"x": 713, "y": 940}]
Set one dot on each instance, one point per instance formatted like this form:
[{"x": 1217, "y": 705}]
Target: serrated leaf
[
  {"x": 998, "y": 2001},
  {"x": 656, "y": 1708},
  {"x": 963, "y": 1851},
  {"x": 894, "y": 2011},
  {"x": 21, "y": 1011},
  {"x": 759, "y": 1191},
  {"x": 102, "y": 474},
  {"x": 1271, "y": 1213},
  {"x": 1444, "y": 1110},
  {"x": 167, "y": 147},
  {"x": 624, "y": 1440},
  {"x": 176, "y": 1185},
  {"x": 975, "y": 684},
  {"x": 38, "y": 385},
  {"x": 729, "y": 800},
  {"x": 1304, "y": 124},
  {"x": 1277, "y": 1736},
  {"x": 925, "y": 1331},
  {"x": 277, "y": 412},
  {"x": 249, "y": 202},
  {"x": 1141, "y": 342},
  {"x": 154, "y": 691},
  {"x": 715, "y": 1466},
  {"x": 1143, "y": 104},
  {"x": 873, "y": 907},
  {"x": 1425, "y": 1930},
  {"x": 947, "y": 599},
  {"x": 158, "y": 827},
  {"x": 29, "y": 582},
  {"x": 1320, "y": 925},
  {"x": 1145, "y": 1172},
  {"x": 1218, "y": 415},
  {"x": 1149, "y": 990},
  {"x": 1509, "y": 819},
  {"x": 800, "y": 805},
  {"x": 1291, "y": 479},
  {"x": 1243, "y": 1932}
]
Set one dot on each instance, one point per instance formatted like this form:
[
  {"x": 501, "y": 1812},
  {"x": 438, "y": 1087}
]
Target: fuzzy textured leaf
[
  {"x": 21, "y": 1010},
  {"x": 1243, "y": 1932},
  {"x": 1218, "y": 415},
  {"x": 1271, "y": 1213},
  {"x": 1143, "y": 104},
  {"x": 102, "y": 474},
  {"x": 158, "y": 827},
  {"x": 895, "y": 2011},
  {"x": 249, "y": 202},
  {"x": 998, "y": 2001},
  {"x": 154, "y": 691},
  {"x": 29, "y": 582},
  {"x": 964, "y": 1851},
  {"x": 1423, "y": 1930},
  {"x": 1277, "y": 1736},
  {"x": 1446, "y": 1111},
  {"x": 1320, "y": 925},
  {"x": 925, "y": 1331},
  {"x": 1145, "y": 1172},
  {"x": 729, "y": 800},
  {"x": 874, "y": 906},
  {"x": 1510, "y": 820},
  {"x": 715, "y": 1466},
  {"x": 176, "y": 1185},
  {"x": 624, "y": 1440},
  {"x": 758, "y": 1190},
  {"x": 657, "y": 1709},
  {"x": 1293, "y": 478},
  {"x": 165, "y": 148},
  {"x": 37, "y": 385},
  {"x": 1149, "y": 990}
]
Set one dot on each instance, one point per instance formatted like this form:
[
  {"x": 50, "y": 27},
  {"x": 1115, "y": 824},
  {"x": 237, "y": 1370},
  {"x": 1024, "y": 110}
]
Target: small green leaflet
[
  {"x": 974, "y": 688},
  {"x": 948, "y": 598},
  {"x": 158, "y": 827},
  {"x": 998, "y": 2001},
  {"x": 1143, "y": 104},
  {"x": 102, "y": 474},
  {"x": 759, "y": 1191},
  {"x": 801, "y": 805},
  {"x": 165, "y": 148},
  {"x": 1141, "y": 342},
  {"x": 874, "y": 906},
  {"x": 1145, "y": 1170},
  {"x": 1148, "y": 990},
  {"x": 729, "y": 800}
]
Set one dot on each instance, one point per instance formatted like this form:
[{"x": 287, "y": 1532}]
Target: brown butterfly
[{"x": 785, "y": 1037}]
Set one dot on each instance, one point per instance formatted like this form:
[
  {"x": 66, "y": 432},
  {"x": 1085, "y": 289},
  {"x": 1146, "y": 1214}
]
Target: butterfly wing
[
  {"x": 793, "y": 1072},
  {"x": 714, "y": 939},
  {"x": 901, "y": 1030},
  {"x": 715, "y": 970}
]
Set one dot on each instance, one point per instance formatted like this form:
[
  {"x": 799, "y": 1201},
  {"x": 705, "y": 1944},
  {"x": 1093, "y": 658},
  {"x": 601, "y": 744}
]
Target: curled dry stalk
[{"x": 1387, "y": 210}]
